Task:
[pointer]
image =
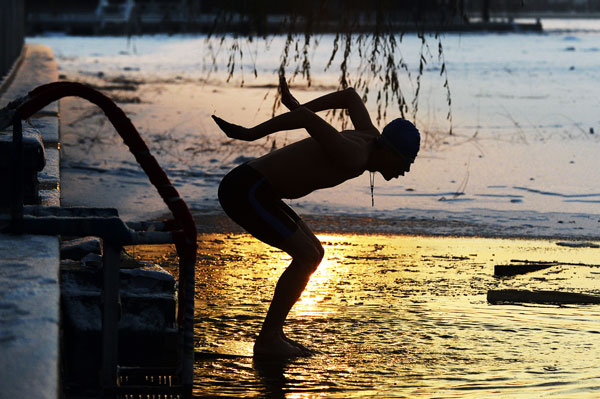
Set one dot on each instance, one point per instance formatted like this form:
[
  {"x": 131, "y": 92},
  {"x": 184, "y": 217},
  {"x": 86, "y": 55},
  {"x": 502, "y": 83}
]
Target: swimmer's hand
[
  {"x": 233, "y": 131},
  {"x": 286, "y": 97}
]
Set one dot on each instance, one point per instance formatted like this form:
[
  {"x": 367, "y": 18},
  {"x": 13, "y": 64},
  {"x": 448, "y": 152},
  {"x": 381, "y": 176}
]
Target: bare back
[{"x": 304, "y": 166}]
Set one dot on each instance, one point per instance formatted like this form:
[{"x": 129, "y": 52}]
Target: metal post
[
  {"x": 110, "y": 315},
  {"x": 188, "y": 325}
]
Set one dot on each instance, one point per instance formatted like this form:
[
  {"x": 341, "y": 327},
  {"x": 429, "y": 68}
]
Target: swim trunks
[{"x": 249, "y": 200}]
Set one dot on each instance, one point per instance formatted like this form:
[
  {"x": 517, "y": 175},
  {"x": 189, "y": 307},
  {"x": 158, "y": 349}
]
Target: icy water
[
  {"x": 396, "y": 316},
  {"x": 524, "y": 109}
]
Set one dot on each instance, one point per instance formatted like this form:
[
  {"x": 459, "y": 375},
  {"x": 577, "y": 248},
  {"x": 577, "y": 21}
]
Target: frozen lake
[{"x": 522, "y": 158}]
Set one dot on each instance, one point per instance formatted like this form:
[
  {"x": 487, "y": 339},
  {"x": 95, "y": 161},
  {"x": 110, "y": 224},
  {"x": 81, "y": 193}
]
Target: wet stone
[
  {"x": 80, "y": 247},
  {"x": 33, "y": 147},
  {"x": 147, "y": 332},
  {"x": 149, "y": 290},
  {"x": 49, "y": 197},
  {"x": 34, "y": 160},
  {"x": 48, "y": 128},
  {"x": 50, "y": 174}
]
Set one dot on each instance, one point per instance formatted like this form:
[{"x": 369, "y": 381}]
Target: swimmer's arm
[
  {"x": 335, "y": 144},
  {"x": 339, "y": 148},
  {"x": 344, "y": 99}
]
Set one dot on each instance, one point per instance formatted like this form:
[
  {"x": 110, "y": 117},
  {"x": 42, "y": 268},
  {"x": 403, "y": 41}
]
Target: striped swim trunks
[{"x": 248, "y": 199}]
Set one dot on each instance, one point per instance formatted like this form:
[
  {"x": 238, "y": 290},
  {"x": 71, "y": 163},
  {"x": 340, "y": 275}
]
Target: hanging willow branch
[{"x": 373, "y": 31}]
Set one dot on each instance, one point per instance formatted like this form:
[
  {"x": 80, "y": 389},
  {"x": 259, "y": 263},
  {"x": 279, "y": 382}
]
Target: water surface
[
  {"x": 524, "y": 121},
  {"x": 397, "y": 316}
]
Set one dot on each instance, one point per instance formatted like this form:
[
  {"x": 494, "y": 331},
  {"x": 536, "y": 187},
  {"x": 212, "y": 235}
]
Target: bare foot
[
  {"x": 275, "y": 346},
  {"x": 286, "y": 97},
  {"x": 233, "y": 131},
  {"x": 305, "y": 351}
]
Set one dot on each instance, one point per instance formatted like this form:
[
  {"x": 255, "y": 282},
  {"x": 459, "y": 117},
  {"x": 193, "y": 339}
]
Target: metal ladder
[{"x": 116, "y": 381}]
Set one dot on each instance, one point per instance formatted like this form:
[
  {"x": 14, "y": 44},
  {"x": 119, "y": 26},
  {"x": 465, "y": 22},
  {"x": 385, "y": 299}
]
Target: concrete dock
[
  {"x": 29, "y": 265},
  {"x": 52, "y": 335}
]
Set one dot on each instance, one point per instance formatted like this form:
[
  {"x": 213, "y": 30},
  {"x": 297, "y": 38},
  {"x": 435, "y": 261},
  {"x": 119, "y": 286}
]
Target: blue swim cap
[{"x": 402, "y": 137}]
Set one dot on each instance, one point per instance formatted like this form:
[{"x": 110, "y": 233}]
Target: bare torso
[{"x": 304, "y": 166}]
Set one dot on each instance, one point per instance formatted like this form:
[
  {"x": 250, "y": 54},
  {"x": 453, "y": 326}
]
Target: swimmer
[{"x": 252, "y": 193}]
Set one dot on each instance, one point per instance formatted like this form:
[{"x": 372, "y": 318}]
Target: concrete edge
[{"x": 29, "y": 265}]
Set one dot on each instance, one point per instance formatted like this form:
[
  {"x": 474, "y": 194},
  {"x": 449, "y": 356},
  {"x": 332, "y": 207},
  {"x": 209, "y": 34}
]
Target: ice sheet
[{"x": 524, "y": 126}]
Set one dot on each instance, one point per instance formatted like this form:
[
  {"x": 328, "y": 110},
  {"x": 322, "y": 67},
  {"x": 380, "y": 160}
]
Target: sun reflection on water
[
  {"x": 396, "y": 316},
  {"x": 319, "y": 289}
]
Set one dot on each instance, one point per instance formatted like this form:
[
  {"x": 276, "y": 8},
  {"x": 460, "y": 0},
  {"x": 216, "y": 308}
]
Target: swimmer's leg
[
  {"x": 317, "y": 245},
  {"x": 307, "y": 253}
]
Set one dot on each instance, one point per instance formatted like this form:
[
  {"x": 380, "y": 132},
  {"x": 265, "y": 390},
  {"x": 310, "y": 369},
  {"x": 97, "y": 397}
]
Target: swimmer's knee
[
  {"x": 317, "y": 254},
  {"x": 310, "y": 259},
  {"x": 320, "y": 251}
]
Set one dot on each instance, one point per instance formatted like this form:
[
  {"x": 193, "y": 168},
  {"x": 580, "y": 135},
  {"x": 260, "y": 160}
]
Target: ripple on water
[{"x": 391, "y": 317}]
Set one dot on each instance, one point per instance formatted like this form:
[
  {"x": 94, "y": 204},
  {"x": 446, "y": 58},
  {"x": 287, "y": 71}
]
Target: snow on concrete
[
  {"x": 29, "y": 282},
  {"x": 29, "y": 314}
]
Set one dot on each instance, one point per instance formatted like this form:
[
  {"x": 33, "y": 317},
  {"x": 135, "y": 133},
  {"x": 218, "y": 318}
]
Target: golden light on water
[
  {"x": 329, "y": 273},
  {"x": 399, "y": 316}
]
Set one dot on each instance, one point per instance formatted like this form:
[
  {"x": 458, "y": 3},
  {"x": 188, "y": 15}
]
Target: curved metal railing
[{"x": 182, "y": 227}]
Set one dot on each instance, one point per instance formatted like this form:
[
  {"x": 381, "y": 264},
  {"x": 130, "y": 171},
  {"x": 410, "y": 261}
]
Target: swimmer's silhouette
[{"x": 252, "y": 193}]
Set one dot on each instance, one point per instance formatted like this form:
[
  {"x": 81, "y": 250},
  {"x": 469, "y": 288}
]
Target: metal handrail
[{"x": 183, "y": 227}]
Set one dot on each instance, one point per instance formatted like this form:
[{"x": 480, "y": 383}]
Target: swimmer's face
[{"x": 395, "y": 166}]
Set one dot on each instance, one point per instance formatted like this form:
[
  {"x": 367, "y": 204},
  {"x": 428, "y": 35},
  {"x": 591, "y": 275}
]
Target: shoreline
[{"x": 418, "y": 226}]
